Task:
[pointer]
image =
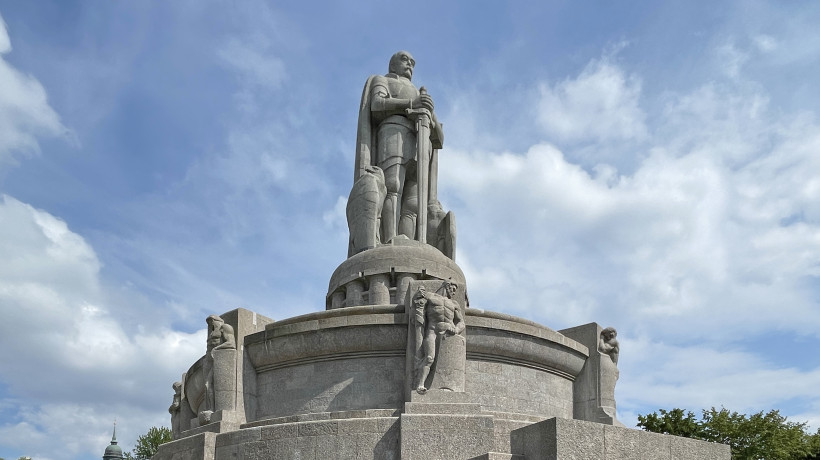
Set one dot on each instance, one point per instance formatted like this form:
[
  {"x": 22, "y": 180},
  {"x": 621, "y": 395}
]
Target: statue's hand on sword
[{"x": 423, "y": 100}]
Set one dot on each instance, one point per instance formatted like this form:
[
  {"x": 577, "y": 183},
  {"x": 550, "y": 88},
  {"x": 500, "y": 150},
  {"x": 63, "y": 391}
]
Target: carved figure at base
[
  {"x": 174, "y": 409},
  {"x": 609, "y": 373},
  {"x": 220, "y": 337},
  {"x": 364, "y": 210},
  {"x": 437, "y": 318},
  {"x": 608, "y": 344}
]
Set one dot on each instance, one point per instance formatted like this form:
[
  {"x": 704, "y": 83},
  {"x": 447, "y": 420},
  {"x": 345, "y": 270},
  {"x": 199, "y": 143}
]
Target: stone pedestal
[
  {"x": 565, "y": 439},
  {"x": 438, "y": 429},
  {"x": 233, "y": 382},
  {"x": 226, "y": 379},
  {"x": 380, "y": 276},
  {"x": 448, "y": 370},
  {"x": 429, "y": 436},
  {"x": 594, "y": 388}
]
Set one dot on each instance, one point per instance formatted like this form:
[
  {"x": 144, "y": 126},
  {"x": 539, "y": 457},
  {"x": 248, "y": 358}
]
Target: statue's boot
[
  {"x": 407, "y": 224},
  {"x": 389, "y": 217},
  {"x": 409, "y": 211}
]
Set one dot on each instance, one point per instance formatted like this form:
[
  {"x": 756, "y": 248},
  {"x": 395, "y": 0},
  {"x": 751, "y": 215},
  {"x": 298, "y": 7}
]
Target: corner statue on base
[
  {"x": 398, "y": 137},
  {"x": 220, "y": 337}
]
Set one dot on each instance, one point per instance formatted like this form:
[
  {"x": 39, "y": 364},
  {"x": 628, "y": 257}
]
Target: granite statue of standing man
[{"x": 387, "y": 138}]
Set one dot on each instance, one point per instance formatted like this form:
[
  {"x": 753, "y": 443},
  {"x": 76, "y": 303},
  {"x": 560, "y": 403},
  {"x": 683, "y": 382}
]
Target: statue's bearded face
[{"x": 402, "y": 63}]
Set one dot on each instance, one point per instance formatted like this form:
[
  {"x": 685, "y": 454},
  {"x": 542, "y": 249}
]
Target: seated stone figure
[
  {"x": 608, "y": 344},
  {"x": 220, "y": 337}
]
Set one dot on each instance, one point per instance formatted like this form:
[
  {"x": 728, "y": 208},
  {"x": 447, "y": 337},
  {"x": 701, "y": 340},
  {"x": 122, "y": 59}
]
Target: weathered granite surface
[{"x": 565, "y": 439}]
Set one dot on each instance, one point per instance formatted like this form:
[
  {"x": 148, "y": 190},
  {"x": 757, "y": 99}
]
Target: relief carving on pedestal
[{"x": 438, "y": 322}]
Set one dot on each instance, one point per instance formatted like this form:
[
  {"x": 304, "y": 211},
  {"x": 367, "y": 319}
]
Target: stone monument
[{"x": 398, "y": 366}]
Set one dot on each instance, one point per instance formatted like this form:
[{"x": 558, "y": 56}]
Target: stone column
[
  {"x": 403, "y": 285},
  {"x": 225, "y": 380},
  {"x": 379, "y": 289},
  {"x": 354, "y": 293},
  {"x": 337, "y": 300}
]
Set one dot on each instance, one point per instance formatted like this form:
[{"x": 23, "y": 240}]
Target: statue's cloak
[{"x": 365, "y": 133}]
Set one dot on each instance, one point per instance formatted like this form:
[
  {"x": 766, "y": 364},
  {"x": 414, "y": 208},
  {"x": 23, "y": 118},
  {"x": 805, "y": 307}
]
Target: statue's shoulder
[
  {"x": 436, "y": 296},
  {"x": 377, "y": 80}
]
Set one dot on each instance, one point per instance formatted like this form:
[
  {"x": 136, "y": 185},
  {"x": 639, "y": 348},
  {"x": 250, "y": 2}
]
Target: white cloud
[
  {"x": 731, "y": 59},
  {"x": 68, "y": 430},
  {"x": 253, "y": 63},
  {"x": 72, "y": 355},
  {"x": 5, "y": 42},
  {"x": 709, "y": 245},
  {"x": 717, "y": 227},
  {"x": 765, "y": 43},
  {"x": 24, "y": 110},
  {"x": 698, "y": 376},
  {"x": 601, "y": 104}
]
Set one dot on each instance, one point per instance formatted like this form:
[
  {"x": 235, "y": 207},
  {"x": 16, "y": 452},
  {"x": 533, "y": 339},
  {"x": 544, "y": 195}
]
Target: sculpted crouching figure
[
  {"x": 608, "y": 344},
  {"x": 609, "y": 347},
  {"x": 437, "y": 317},
  {"x": 174, "y": 409},
  {"x": 220, "y": 336}
]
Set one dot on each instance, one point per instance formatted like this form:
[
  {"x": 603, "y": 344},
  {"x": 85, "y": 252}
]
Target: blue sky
[{"x": 652, "y": 166}]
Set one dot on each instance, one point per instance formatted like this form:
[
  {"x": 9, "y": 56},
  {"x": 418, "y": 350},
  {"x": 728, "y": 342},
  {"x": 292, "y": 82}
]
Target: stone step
[
  {"x": 498, "y": 456},
  {"x": 441, "y": 408},
  {"x": 440, "y": 396}
]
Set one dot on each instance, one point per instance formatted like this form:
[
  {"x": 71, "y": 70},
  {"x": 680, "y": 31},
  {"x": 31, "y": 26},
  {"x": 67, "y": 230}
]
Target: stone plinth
[
  {"x": 450, "y": 436},
  {"x": 381, "y": 275},
  {"x": 594, "y": 388},
  {"x": 234, "y": 381},
  {"x": 565, "y": 439},
  {"x": 334, "y": 382}
]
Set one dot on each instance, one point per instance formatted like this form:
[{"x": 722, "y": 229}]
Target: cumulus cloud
[
  {"x": 601, "y": 104},
  {"x": 713, "y": 239},
  {"x": 718, "y": 374},
  {"x": 253, "y": 63},
  {"x": 656, "y": 374},
  {"x": 719, "y": 221},
  {"x": 71, "y": 352},
  {"x": 24, "y": 110}
]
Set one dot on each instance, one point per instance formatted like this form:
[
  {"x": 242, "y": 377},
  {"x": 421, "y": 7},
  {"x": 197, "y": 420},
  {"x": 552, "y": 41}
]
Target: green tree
[
  {"x": 768, "y": 436},
  {"x": 814, "y": 446},
  {"x": 674, "y": 422},
  {"x": 148, "y": 444},
  {"x": 758, "y": 436}
]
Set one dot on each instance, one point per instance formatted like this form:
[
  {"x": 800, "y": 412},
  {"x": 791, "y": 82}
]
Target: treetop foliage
[
  {"x": 760, "y": 436},
  {"x": 148, "y": 444}
]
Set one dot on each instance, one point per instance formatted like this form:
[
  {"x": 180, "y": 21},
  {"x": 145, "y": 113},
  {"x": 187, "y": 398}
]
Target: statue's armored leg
[
  {"x": 409, "y": 210},
  {"x": 394, "y": 182},
  {"x": 389, "y": 217}
]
